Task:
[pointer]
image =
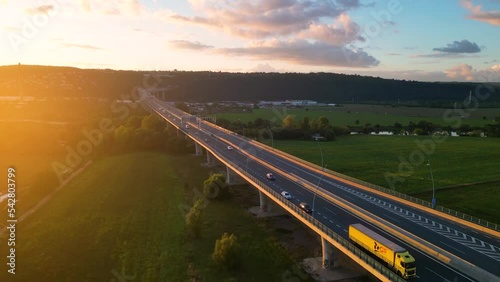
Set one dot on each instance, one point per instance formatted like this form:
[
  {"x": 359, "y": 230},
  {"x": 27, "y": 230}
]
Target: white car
[
  {"x": 286, "y": 195},
  {"x": 230, "y": 148}
]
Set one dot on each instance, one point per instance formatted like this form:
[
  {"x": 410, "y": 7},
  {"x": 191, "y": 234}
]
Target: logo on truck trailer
[{"x": 380, "y": 249}]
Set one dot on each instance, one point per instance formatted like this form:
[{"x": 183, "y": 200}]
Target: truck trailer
[{"x": 396, "y": 257}]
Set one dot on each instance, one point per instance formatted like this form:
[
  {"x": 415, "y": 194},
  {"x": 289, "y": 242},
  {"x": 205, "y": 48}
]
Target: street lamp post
[
  {"x": 272, "y": 138},
  {"x": 433, "y": 187},
  {"x": 321, "y": 150},
  {"x": 316, "y": 190}
]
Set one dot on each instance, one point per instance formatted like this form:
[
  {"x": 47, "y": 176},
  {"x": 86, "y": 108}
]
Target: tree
[
  {"x": 418, "y": 131},
  {"x": 305, "y": 124},
  {"x": 133, "y": 122},
  {"x": 227, "y": 251},
  {"x": 323, "y": 123},
  {"x": 194, "y": 219},
  {"x": 288, "y": 121},
  {"x": 122, "y": 135},
  {"x": 215, "y": 187},
  {"x": 182, "y": 106},
  {"x": 152, "y": 123}
]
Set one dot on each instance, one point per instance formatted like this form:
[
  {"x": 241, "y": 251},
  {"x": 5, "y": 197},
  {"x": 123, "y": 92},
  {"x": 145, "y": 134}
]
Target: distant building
[{"x": 286, "y": 103}]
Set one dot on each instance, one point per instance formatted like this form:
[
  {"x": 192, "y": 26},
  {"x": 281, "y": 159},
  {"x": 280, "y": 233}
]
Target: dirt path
[{"x": 47, "y": 198}]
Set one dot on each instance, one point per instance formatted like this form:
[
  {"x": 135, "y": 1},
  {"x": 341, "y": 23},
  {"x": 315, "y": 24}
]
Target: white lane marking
[
  {"x": 345, "y": 230},
  {"x": 479, "y": 247},
  {"x": 391, "y": 217},
  {"x": 415, "y": 249},
  {"x": 444, "y": 279},
  {"x": 350, "y": 198},
  {"x": 300, "y": 192},
  {"x": 338, "y": 225},
  {"x": 451, "y": 247},
  {"x": 331, "y": 221},
  {"x": 330, "y": 211}
]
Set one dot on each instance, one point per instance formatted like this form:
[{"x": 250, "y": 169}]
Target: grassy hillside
[
  {"x": 121, "y": 217},
  {"x": 206, "y": 86}
]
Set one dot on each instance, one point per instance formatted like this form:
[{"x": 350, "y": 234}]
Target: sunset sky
[{"x": 429, "y": 40}]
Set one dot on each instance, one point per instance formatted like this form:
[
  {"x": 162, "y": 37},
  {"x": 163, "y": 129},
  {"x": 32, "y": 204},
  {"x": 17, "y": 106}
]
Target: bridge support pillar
[
  {"x": 328, "y": 260},
  {"x": 232, "y": 178},
  {"x": 210, "y": 158},
  {"x": 265, "y": 203},
  {"x": 199, "y": 150}
]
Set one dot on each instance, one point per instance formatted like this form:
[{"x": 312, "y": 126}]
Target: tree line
[
  {"x": 321, "y": 129},
  {"x": 206, "y": 86}
]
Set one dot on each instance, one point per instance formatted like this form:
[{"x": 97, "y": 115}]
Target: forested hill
[{"x": 45, "y": 81}]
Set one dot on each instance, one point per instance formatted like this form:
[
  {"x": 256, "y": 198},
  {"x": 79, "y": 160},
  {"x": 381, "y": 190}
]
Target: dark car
[
  {"x": 270, "y": 176},
  {"x": 305, "y": 207}
]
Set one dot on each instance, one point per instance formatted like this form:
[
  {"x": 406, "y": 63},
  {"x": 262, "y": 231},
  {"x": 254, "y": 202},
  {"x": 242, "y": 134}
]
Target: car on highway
[
  {"x": 206, "y": 140},
  {"x": 187, "y": 126},
  {"x": 305, "y": 207},
  {"x": 286, "y": 195},
  {"x": 230, "y": 148},
  {"x": 270, "y": 176}
]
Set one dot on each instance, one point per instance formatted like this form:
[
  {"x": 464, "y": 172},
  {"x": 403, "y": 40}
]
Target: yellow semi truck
[{"x": 396, "y": 257}]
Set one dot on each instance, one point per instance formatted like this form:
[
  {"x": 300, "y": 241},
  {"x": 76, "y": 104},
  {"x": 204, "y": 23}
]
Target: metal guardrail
[
  {"x": 327, "y": 231},
  {"x": 421, "y": 202}
]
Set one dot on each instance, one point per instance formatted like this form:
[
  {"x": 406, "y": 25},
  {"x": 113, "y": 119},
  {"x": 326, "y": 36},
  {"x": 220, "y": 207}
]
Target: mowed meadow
[
  {"x": 354, "y": 114},
  {"x": 396, "y": 162}
]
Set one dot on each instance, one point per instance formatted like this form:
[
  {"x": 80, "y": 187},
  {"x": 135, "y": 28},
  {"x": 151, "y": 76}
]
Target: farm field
[
  {"x": 121, "y": 218},
  {"x": 385, "y": 161},
  {"x": 382, "y": 115}
]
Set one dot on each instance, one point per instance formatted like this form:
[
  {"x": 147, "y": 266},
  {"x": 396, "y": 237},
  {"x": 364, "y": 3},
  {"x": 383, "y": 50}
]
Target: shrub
[
  {"x": 227, "y": 251},
  {"x": 215, "y": 187}
]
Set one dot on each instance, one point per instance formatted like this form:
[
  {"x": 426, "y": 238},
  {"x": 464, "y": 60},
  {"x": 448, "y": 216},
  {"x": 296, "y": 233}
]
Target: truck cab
[{"x": 405, "y": 265}]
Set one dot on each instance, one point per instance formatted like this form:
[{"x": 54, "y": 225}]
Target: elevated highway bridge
[{"x": 446, "y": 247}]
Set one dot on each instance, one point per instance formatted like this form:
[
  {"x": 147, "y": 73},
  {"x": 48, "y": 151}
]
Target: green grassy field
[
  {"x": 349, "y": 114},
  {"x": 480, "y": 200},
  {"x": 121, "y": 218},
  {"x": 456, "y": 161}
]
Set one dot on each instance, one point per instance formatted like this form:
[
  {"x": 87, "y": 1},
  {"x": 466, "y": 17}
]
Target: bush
[
  {"x": 227, "y": 251},
  {"x": 215, "y": 187},
  {"x": 194, "y": 220}
]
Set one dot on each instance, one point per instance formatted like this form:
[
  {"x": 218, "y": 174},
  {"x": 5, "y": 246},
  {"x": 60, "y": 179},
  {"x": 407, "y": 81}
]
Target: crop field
[
  {"x": 395, "y": 162},
  {"x": 363, "y": 114},
  {"x": 120, "y": 219}
]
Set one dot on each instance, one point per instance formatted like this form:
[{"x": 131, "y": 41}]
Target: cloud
[
  {"x": 299, "y": 51},
  {"x": 477, "y": 13},
  {"x": 341, "y": 33},
  {"x": 461, "y": 71},
  {"x": 294, "y": 31},
  {"x": 468, "y": 73},
  {"x": 444, "y": 55},
  {"x": 112, "y": 7},
  {"x": 83, "y": 46},
  {"x": 184, "y": 44},
  {"x": 263, "y": 68},
  {"x": 42, "y": 9},
  {"x": 464, "y": 46},
  {"x": 263, "y": 18}
]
